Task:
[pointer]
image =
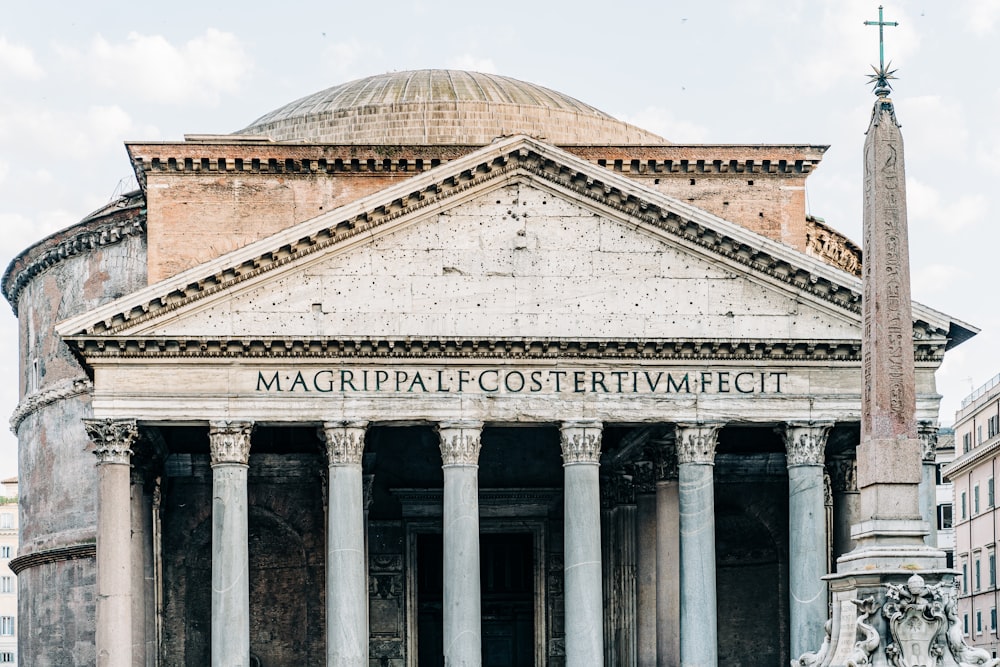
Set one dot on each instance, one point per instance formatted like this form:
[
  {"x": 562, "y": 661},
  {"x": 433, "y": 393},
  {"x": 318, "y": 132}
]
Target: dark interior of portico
[{"x": 520, "y": 477}]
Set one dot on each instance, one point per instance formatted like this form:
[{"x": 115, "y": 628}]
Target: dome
[{"x": 442, "y": 107}]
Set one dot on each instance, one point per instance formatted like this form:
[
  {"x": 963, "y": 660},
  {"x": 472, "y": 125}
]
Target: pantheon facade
[{"x": 441, "y": 367}]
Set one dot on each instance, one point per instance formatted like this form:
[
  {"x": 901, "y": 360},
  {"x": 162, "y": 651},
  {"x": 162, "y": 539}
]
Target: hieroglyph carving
[
  {"x": 345, "y": 442},
  {"x": 805, "y": 443},
  {"x": 460, "y": 443},
  {"x": 696, "y": 443},
  {"x": 581, "y": 442},
  {"x": 229, "y": 441},
  {"x": 113, "y": 439}
]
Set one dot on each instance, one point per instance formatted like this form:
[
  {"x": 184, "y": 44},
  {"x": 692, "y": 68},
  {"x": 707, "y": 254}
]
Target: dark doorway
[{"x": 508, "y": 599}]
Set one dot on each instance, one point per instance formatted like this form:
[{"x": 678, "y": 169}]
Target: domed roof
[{"x": 442, "y": 107}]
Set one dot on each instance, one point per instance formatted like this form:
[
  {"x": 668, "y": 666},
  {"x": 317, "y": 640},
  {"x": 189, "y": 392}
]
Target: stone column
[
  {"x": 696, "y": 500},
  {"x": 229, "y": 443},
  {"x": 581, "y": 451},
  {"x": 928, "y": 434},
  {"x": 618, "y": 555},
  {"x": 646, "y": 585},
  {"x": 462, "y": 604},
  {"x": 346, "y": 572},
  {"x": 805, "y": 444},
  {"x": 844, "y": 485},
  {"x": 668, "y": 558},
  {"x": 113, "y": 441}
]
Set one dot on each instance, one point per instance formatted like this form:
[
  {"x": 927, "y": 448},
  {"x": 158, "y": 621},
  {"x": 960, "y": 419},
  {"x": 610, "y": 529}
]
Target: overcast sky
[{"x": 77, "y": 79}]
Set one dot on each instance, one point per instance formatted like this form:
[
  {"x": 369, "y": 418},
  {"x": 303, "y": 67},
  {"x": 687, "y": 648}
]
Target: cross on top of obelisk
[{"x": 880, "y": 79}]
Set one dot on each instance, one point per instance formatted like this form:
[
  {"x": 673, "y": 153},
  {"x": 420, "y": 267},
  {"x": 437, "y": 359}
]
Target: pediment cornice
[{"x": 432, "y": 191}]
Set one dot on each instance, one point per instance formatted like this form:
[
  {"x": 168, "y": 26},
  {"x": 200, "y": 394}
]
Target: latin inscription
[{"x": 514, "y": 381}]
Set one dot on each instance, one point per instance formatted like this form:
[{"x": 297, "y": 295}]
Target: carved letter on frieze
[
  {"x": 345, "y": 442},
  {"x": 113, "y": 439},
  {"x": 229, "y": 441},
  {"x": 805, "y": 442},
  {"x": 581, "y": 442},
  {"x": 460, "y": 442},
  {"x": 696, "y": 442}
]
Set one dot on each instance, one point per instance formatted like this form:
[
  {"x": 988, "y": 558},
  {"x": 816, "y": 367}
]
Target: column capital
[
  {"x": 696, "y": 441},
  {"x": 665, "y": 458},
  {"x": 805, "y": 442},
  {"x": 113, "y": 439},
  {"x": 581, "y": 441},
  {"x": 229, "y": 441},
  {"x": 927, "y": 431},
  {"x": 460, "y": 442},
  {"x": 345, "y": 442},
  {"x": 843, "y": 474}
]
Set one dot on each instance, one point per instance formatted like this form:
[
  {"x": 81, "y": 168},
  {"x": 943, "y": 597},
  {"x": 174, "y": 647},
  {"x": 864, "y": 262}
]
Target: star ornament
[{"x": 881, "y": 77}]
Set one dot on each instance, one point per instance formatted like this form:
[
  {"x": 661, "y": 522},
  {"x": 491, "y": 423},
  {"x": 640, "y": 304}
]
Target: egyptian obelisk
[{"x": 894, "y": 601}]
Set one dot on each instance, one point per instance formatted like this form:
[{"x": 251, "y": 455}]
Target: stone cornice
[
  {"x": 60, "y": 390},
  {"x": 126, "y": 222},
  {"x": 425, "y": 194},
  {"x": 74, "y": 552},
  {"x": 415, "y": 347}
]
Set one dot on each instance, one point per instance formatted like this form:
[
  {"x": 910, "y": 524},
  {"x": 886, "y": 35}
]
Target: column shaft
[
  {"x": 646, "y": 584},
  {"x": 928, "y": 433},
  {"x": 668, "y": 558},
  {"x": 462, "y": 611},
  {"x": 696, "y": 504},
  {"x": 346, "y": 571},
  {"x": 230, "y": 448},
  {"x": 113, "y": 440},
  {"x": 805, "y": 444},
  {"x": 581, "y": 445}
]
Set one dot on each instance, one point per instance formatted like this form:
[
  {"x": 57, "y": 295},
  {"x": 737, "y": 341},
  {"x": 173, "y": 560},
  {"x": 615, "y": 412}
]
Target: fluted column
[
  {"x": 805, "y": 444},
  {"x": 346, "y": 574},
  {"x": 581, "y": 451},
  {"x": 229, "y": 443},
  {"x": 928, "y": 434},
  {"x": 113, "y": 441},
  {"x": 696, "y": 499},
  {"x": 668, "y": 594},
  {"x": 462, "y": 605}
]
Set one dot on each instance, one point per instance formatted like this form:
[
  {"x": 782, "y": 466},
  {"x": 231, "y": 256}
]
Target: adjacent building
[
  {"x": 441, "y": 363},
  {"x": 974, "y": 474},
  {"x": 8, "y": 581}
]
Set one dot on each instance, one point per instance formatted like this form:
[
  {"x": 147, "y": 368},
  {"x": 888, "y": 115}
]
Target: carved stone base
[{"x": 895, "y": 618}]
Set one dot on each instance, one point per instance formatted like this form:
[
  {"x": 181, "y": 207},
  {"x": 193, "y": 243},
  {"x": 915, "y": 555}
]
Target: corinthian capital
[
  {"x": 345, "y": 442},
  {"x": 229, "y": 442},
  {"x": 581, "y": 442},
  {"x": 460, "y": 442},
  {"x": 696, "y": 442},
  {"x": 112, "y": 439},
  {"x": 928, "y": 434},
  {"x": 805, "y": 442}
]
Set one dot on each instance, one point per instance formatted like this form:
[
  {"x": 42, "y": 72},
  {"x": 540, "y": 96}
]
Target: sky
[{"x": 78, "y": 79}]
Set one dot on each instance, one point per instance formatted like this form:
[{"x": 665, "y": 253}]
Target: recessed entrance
[{"x": 507, "y": 570}]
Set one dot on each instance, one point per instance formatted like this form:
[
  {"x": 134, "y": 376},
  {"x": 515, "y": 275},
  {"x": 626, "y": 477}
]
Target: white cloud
[
  {"x": 198, "y": 71},
  {"x": 470, "y": 62},
  {"x": 73, "y": 134},
  {"x": 931, "y": 279},
  {"x": 935, "y": 127},
  {"x": 664, "y": 123},
  {"x": 20, "y": 231},
  {"x": 19, "y": 61},
  {"x": 4, "y": 170},
  {"x": 982, "y": 16},
  {"x": 925, "y": 204}
]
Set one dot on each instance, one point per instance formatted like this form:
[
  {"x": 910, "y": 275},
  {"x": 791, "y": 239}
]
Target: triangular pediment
[{"x": 516, "y": 241}]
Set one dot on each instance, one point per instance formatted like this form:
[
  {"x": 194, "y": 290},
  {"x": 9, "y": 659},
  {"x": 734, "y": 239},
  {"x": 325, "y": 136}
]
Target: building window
[
  {"x": 993, "y": 569},
  {"x": 6, "y": 656},
  {"x": 979, "y": 622},
  {"x": 4, "y": 552},
  {"x": 979, "y": 579},
  {"x": 944, "y": 516},
  {"x": 6, "y": 584},
  {"x": 7, "y": 626},
  {"x": 993, "y": 426},
  {"x": 989, "y": 492},
  {"x": 975, "y": 500},
  {"x": 966, "y": 446},
  {"x": 965, "y": 623},
  {"x": 965, "y": 577},
  {"x": 993, "y": 618},
  {"x": 979, "y": 434},
  {"x": 963, "y": 505},
  {"x": 6, "y": 520}
]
